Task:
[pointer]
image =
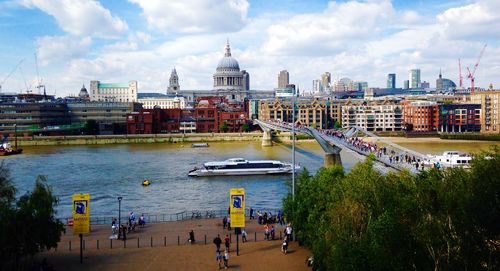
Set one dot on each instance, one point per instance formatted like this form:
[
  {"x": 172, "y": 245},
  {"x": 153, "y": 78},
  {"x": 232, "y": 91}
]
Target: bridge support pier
[
  {"x": 332, "y": 159},
  {"x": 267, "y": 139}
]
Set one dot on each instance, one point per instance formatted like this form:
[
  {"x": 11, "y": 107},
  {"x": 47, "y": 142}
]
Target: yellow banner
[
  {"x": 237, "y": 207},
  {"x": 81, "y": 213}
]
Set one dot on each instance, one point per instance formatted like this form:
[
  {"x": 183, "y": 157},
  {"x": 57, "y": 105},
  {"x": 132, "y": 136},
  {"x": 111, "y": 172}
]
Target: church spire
[{"x": 228, "y": 49}]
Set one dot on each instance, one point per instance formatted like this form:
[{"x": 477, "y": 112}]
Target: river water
[{"x": 109, "y": 171}]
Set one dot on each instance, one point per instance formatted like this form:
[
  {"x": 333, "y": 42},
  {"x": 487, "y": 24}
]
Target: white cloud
[
  {"x": 81, "y": 17},
  {"x": 480, "y": 20},
  {"x": 192, "y": 16},
  {"x": 341, "y": 25},
  {"x": 359, "y": 40},
  {"x": 59, "y": 49}
]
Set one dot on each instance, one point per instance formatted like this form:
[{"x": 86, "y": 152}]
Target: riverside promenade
[{"x": 164, "y": 246}]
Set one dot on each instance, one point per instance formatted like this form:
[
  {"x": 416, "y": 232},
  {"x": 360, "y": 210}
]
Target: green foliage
[
  {"x": 223, "y": 127},
  {"x": 441, "y": 220},
  {"x": 28, "y": 225},
  {"x": 245, "y": 127},
  {"x": 337, "y": 125},
  {"x": 91, "y": 127}
]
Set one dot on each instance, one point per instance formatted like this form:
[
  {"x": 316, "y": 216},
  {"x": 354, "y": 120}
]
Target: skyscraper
[
  {"x": 414, "y": 78},
  {"x": 326, "y": 79},
  {"x": 317, "y": 87},
  {"x": 283, "y": 79},
  {"x": 391, "y": 80},
  {"x": 406, "y": 84}
]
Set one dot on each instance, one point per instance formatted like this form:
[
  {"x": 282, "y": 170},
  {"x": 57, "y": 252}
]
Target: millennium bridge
[{"x": 391, "y": 156}]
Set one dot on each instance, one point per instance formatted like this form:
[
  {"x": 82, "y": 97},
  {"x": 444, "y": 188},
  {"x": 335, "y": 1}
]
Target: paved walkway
[{"x": 102, "y": 254}]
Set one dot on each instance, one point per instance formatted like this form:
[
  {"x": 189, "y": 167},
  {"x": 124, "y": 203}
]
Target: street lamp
[
  {"x": 119, "y": 214},
  {"x": 293, "y": 146}
]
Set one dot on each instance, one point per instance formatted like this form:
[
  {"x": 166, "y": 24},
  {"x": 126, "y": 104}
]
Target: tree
[
  {"x": 91, "y": 127},
  {"x": 438, "y": 219},
  {"x": 337, "y": 125},
  {"x": 28, "y": 225},
  {"x": 223, "y": 127},
  {"x": 245, "y": 127}
]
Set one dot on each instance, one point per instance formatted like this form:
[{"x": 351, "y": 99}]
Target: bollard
[
  {"x": 137, "y": 242},
  {"x": 69, "y": 245},
  {"x": 111, "y": 243},
  {"x": 205, "y": 239},
  {"x": 255, "y": 236},
  {"x": 97, "y": 243},
  {"x": 164, "y": 241},
  {"x": 178, "y": 240},
  {"x": 151, "y": 241}
]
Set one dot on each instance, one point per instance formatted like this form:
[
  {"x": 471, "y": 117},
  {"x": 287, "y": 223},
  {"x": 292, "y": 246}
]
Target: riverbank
[{"x": 147, "y": 139}]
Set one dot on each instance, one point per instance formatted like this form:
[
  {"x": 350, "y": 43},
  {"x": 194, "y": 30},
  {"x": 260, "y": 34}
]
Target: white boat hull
[{"x": 237, "y": 172}]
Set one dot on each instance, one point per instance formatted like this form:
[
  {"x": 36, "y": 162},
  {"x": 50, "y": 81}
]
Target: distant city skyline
[{"x": 118, "y": 41}]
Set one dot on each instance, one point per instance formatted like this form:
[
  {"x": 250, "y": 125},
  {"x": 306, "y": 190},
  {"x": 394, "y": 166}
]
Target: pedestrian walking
[
  {"x": 251, "y": 213},
  {"x": 224, "y": 222},
  {"x": 284, "y": 245},
  {"x": 288, "y": 231},
  {"x": 227, "y": 242},
  {"x": 217, "y": 242},
  {"x": 226, "y": 259},
  {"x": 218, "y": 258},
  {"x": 229, "y": 223},
  {"x": 243, "y": 235}
]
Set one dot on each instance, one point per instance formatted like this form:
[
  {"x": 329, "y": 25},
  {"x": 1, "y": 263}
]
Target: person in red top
[{"x": 227, "y": 241}]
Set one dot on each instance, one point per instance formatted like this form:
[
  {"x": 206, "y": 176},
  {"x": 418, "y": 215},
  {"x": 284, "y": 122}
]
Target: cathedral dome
[
  {"x": 228, "y": 62},
  {"x": 83, "y": 93}
]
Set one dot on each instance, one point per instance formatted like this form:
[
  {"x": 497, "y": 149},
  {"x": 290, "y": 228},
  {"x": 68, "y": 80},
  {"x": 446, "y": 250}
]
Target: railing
[{"x": 159, "y": 218}]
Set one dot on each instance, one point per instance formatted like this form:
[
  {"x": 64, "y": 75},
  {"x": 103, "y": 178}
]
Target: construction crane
[
  {"x": 11, "y": 72},
  {"x": 39, "y": 86},
  {"x": 460, "y": 74},
  {"x": 470, "y": 74}
]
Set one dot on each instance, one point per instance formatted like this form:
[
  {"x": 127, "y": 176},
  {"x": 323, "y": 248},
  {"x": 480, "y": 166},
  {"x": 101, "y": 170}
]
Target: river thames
[{"x": 109, "y": 171}]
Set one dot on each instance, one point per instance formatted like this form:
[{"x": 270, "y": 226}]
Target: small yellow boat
[{"x": 146, "y": 183}]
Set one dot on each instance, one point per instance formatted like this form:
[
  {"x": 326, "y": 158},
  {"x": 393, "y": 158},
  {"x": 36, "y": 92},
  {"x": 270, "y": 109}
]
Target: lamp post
[
  {"x": 293, "y": 145},
  {"x": 119, "y": 215}
]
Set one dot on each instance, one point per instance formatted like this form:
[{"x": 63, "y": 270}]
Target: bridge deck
[{"x": 333, "y": 141}]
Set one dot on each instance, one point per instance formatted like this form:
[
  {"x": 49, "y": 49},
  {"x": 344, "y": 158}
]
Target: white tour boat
[
  {"x": 450, "y": 159},
  {"x": 240, "y": 166}
]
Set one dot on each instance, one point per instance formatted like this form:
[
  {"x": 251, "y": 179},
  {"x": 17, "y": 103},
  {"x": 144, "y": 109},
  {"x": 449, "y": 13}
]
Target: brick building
[
  {"x": 459, "y": 118},
  {"x": 154, "y": 121},
  {"x": 420, "y": 116}
]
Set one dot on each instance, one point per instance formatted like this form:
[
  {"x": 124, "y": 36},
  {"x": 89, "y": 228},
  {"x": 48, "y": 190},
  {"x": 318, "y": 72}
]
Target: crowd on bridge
[{"x": 395, "y": 157}]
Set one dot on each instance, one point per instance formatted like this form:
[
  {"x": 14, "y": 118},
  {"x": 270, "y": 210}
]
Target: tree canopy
[
  {"x": 436, "y": 220},
  {"x": 28, "y": 224}
]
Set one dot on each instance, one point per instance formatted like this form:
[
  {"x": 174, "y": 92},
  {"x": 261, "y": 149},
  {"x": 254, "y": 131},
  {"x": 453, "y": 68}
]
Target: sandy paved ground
[{"x": 254, "y": 255}]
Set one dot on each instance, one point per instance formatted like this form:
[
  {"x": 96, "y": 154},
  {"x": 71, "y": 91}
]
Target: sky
[{"x": 114, "y": 41}]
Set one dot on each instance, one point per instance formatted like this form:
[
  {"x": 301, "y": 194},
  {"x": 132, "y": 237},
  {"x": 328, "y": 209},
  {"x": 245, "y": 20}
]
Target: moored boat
[
  {"x": 6, "y": 149},
  {"x": 450, "y": 159},
  {"x": 240, "y": 166},
  {"x": 199, "y": 145}
]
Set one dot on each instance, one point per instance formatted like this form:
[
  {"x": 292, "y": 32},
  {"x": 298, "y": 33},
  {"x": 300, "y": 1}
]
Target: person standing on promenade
[
  {"x": 218, "y": 257},
  {"x": 228, "y": 223},
  {"x": 217, "y": 242},
  {"x": 251, "y": 213},
  {"x": 227, "y": 242},
  {"x": 191, "y": 237},
  {"x": 288, "y": 231},
  {"x": 224, "y": 222},
  {"x": 243, "y": 236},
  {"x": 284, "y": 246},
  {"x": 226, "y": 259}
]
